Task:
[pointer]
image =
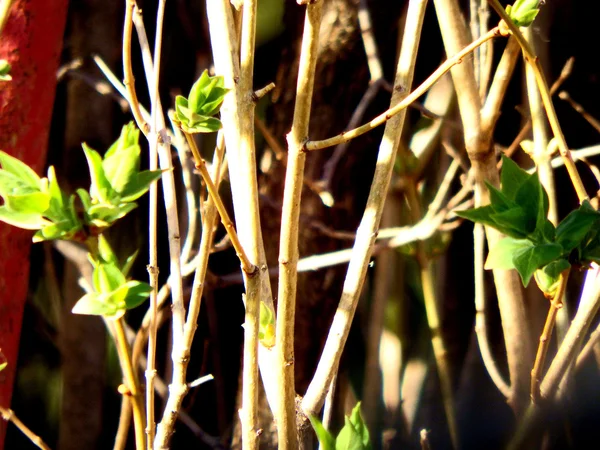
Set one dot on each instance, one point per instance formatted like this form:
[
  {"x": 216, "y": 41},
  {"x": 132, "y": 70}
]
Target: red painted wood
[{"x": 31, "y": 41}]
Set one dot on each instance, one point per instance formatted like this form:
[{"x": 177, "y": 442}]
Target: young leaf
[
  {"x": 11, "y": 184},
  {"x": 530, "y": 197},
  {"x": 359, "y": 425},
  {"x": 523, "y": 12},
  {"x": 58, "y": 230},
  {"x": 3, "y": 366},
  {"x": 129, "y": 263},
  {"x": 349, "y": 437},
  {"x": 100, "y": 188},
  {"x": 548, "y": 277},
  {"x": 498, "y": 200},
  {"x": 32, "y": 203},
  {"x": 20, "y": 170},
  {"x": 198, "y": 92},
  {"x": 513, "y": 222},
  {"x": 107, "y": 278},
  {"x": 5, "y": 70},
  {"x": 105, "y": 252},
  {"x": 22, "y": 220},
  {"x": 89, "y": 304},
  {"x": 530, "y": 259},
  {"x": 572, "y": 230},
  {"x": 511, "y": 177},
  {"x": 139, "y": 185},
  {"x": 137, "y": 293},
  {"x": 326, "y": 440},
  {"x": 122, "y": 166},
  {"x": 501, "y": 255},
  {"x": 479, "y": 215},
  {"x": 129, "y": 137}
]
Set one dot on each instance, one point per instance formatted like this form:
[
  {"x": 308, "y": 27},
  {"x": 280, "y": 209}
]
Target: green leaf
[
  {"x": 501, "y": 255},
  {"x": 572, "y": 230},
  {"x": 326, "y": 440},
  {"x": 199, "y": 90},
  {"x": 137, "y": 293},
  {"x": 100, "y": 188},
  {"x": 523, "y": 12},
  {"x": 107, "y": 278},
  {"x": 57, "y": 198},
  {"x": 206, "y": 125},
  {"x": 349, "y": 438},
  {"x": 22, "y": 220},
  {"x": 129, "y": 263},
  {"x": 548, "y": 277},
  {"x": 498, "y": 200},
  {"x": 58, "y": 230},
  {"x": 359, "y": 425},
  {"x": 121, "y": 167},
  {"x": 479, "y": 215},
  {"x": 129, "y": 137},
  {"x": 513, "y": 222},
  {"x": 3, "y": 366},
  {"x": 109, "y": 213},
  {"x": 89, "y": 304},
  {"x": 139, "y": 185},
  {"x": 532, "y": 198},
  {"x": 529, "y": 260},
  {"x": 511, "y": 177},
  {"x": 5, "y": 70},
  {"x": 33, "y": 203},
  {"x": 20, "y": 170},
  {"x": 105, "y": 252},
  {"x": 10, "y": 184}
]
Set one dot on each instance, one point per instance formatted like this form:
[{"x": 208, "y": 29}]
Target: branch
[
  {"x": 367, "y": 231},
  {"x": 10, "y": 416}
]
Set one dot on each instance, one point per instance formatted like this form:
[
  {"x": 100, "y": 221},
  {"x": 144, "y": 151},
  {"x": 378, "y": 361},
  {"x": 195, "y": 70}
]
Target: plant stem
[
  {"x": 413, "y": 96},
  {"x": 131, "y": 384},
  {"x": 10, "y": 416},
  {"x": 247, "y": 266},
  {"x": 129, "y": 80},
  {"x": 367, "y": 231},
  {"x": 534, "y": 62},
  {"x": 556, "y": 303},
  {"x": 288, "y": 247}
]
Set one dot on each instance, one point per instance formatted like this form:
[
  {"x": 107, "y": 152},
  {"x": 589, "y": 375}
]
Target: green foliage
[
  {"x": 113, "y": 294},
  {"x": 354, "y": 435},
  {"x": 194, "y": 114},
  {"x": 533, "y": 245},
  {"x": 266, "y": 329},
  {"x": 5, "y": 70},
  {"x": 523, "y": 12}
]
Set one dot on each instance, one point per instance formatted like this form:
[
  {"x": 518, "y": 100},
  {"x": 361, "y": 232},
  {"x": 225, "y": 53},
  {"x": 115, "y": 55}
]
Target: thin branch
[
  {"x": 480, "y": 315},
  {"x": 406, "y": 101},
  {"x": 288, "y": 247},
  {"x": 247, "y": 266},
  {"x": 9, "y": 416},
  {"x": 368, "y": 39},
  {"x": 129, "y": 80},
  {"x": 564, "y": 95},
  {"x": 367, "y": 231},
  {"x": 556, "y": 303}
]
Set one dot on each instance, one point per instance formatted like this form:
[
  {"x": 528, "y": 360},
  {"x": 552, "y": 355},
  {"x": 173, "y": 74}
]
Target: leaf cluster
[
  {"x": 533, "y": 244},
  {"x": 523, "y": 12},
  {"x": 35, "y": 203},
  {"x": 353, "y": 436},
  {"x": 194, "y": 114},
  {"x": 113, "y": 293}
]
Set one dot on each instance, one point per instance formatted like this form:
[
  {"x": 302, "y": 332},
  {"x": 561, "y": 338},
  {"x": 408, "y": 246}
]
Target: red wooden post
[{"x": 31, "y": 42}]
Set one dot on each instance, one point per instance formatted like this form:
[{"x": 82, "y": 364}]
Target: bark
[{"x": 31, "y": 42}]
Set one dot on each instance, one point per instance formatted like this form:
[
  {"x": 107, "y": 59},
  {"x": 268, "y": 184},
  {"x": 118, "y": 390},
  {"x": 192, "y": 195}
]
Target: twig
[
  {"x": 480, "y": 315},
  {"x": 564, "y": 95},
  {"x": 247, "y": 266},
  {"x": 556, "y": 303},
  {"x": 10, "y": 416},
  {"x": 406, "y": 101},
  {"x": 288, "y": 247},
  {"x": 424, "y": 439},
  {"x": 129, "y": 80},
  {"x": 131, "y": 384},
  {"x": 367, "y": 231},
  {"x": 366, "y": 33},
  {"x": 534, "y": 62}
]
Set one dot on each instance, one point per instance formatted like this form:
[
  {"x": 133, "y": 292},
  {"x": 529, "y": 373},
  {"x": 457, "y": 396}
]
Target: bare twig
[
  {"x": 288, "y": 248},
  {"x": 564, "y": 95},
  {"x": 10, "y": 416},
  {"x": 406, "y": 101},
  {"x": 367, "y": 231}
]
